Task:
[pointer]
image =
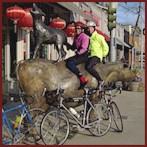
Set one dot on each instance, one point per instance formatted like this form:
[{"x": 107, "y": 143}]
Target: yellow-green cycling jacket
[{"x": 98, "y": 46}]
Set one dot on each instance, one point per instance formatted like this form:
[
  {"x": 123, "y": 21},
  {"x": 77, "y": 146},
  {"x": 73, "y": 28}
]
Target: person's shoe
[
  {"x": 82, "y": 85},
  {"x": 83, "y": 82},
  {"x": 101, "y": 84}
]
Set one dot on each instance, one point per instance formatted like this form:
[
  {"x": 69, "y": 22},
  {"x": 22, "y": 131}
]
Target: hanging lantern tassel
[{"x": 15, "y": 26}]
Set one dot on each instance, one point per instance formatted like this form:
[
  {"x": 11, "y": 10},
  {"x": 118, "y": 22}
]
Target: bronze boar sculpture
[
  {"x": 42, "y": 34},
  {"x": 36, "y": 74}
]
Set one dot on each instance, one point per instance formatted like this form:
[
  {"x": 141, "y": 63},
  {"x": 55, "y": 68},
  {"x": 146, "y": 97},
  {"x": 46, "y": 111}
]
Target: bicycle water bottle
[
  {"x": 17, "y": 120},
  {"x": 74, "y": 112}
]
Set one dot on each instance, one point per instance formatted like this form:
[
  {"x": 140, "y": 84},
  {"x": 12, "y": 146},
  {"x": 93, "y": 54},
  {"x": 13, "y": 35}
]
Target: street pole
[
  {"x": 132, "y": 63},
  {"x": 112, "y": 46},
  {"x": 113, "y": 41},
  {"x": 141, "y": 62}
]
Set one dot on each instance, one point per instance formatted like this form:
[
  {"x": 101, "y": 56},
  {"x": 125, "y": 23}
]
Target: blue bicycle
[{"x": 27, "y": 131}]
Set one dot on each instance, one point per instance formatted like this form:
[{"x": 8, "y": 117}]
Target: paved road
[{"x": 132, "y": 108}]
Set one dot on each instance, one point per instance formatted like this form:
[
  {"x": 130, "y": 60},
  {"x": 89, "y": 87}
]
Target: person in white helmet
[{"x": 98, "y": 49}]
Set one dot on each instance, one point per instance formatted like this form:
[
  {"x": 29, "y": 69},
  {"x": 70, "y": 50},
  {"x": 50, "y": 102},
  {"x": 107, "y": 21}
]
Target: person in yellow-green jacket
[{"x": 98, "y": 49}]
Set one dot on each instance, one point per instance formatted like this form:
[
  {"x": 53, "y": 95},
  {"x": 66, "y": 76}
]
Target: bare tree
[{"x": 136, "y": 25}]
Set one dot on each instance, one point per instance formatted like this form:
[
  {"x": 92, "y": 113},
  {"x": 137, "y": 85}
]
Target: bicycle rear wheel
[
  {"x": 100, "y": 120},
  {"x": 29, "y": 130},
  {"x": 54, "y": 128},
  {"x": 116, "y": 116}
]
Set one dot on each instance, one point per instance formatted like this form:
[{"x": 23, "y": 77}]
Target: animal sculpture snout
[{"x": 36, "y": 9}]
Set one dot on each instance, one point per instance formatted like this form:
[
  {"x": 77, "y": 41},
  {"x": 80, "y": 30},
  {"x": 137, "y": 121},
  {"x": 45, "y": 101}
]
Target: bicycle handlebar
[
  {"x": 22, "y": 96},
  {"x": 88, "y": 91},
  {"x": 57, "y": 91},
  {"x": 105, "y": 88}
]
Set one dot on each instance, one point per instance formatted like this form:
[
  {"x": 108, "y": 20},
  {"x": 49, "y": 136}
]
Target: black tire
[
  {"x": 116, "y": 117},
  {"x": 100, "y": 119},
  {"x": 30, "y": 133},
  {"x": 7, "y": 138},
  {"x": 54, "y": 128}
]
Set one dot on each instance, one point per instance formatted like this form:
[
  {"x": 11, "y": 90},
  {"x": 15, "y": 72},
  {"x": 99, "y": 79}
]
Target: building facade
[
  {"x": 17, "y": 46},
  {"x": 137, "y": 53}
]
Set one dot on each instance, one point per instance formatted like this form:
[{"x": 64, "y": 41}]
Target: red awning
[
  {"x": 106, "y": 37},
  {"x": 93, "y": 16}
]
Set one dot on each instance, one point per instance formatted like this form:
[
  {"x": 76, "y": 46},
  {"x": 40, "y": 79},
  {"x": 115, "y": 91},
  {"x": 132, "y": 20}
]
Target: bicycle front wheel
[
  {"x": 7, "y": 138},
  {"x": 99, "y": 120},
  {"x": 116, "y": 116},
  {"x": 29, "y": 127},
  {"x": 54, "y": 128}
]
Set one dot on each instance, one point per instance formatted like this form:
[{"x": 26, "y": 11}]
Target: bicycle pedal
[
  {"x": 74, "y": 126},
  {"x": 74, "y": 129},
  {"x": 80, "y": 128},
  {"x": 87, "y": 126}
]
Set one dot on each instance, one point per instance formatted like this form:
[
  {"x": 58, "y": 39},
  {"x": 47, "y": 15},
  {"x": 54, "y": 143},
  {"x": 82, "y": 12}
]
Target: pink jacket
[{"x": 81, "y": 43}]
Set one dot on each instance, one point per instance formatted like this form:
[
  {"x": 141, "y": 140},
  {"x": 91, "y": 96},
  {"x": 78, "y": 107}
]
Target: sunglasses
[{"x": 77, "y": 28}]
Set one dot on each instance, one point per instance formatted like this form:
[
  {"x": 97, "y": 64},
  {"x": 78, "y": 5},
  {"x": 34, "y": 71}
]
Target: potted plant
[{"x": 134, "y": 85}]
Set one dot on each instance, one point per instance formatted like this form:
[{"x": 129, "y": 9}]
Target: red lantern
[
  {"x": 27, "y": 20},
  {"x": 70, "y": 30},
  {"x": 15, "y": 13},
  {"x": 58, "y": 23}
]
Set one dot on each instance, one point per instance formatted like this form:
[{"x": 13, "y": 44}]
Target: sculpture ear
[{"x": 34, "y": 4}]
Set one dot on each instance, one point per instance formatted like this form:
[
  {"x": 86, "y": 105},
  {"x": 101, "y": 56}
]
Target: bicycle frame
[
  {"x": 108, "y": 93},
  {"x": 8, "y": 123},
  {"x": 86, "y": 101}
]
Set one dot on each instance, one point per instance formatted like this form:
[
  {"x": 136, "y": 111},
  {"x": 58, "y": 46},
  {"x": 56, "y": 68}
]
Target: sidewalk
[{"x": 132, "y": 108}]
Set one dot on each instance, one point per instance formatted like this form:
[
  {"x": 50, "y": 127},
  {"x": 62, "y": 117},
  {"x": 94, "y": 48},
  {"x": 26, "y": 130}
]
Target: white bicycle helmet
[{"x": 91, "y": 24}]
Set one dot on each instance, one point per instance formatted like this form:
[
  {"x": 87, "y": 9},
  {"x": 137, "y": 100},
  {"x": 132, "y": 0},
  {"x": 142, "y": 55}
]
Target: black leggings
[
  {"x": 92, "y": 61},
  {"x": 72, "y": 63}
]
